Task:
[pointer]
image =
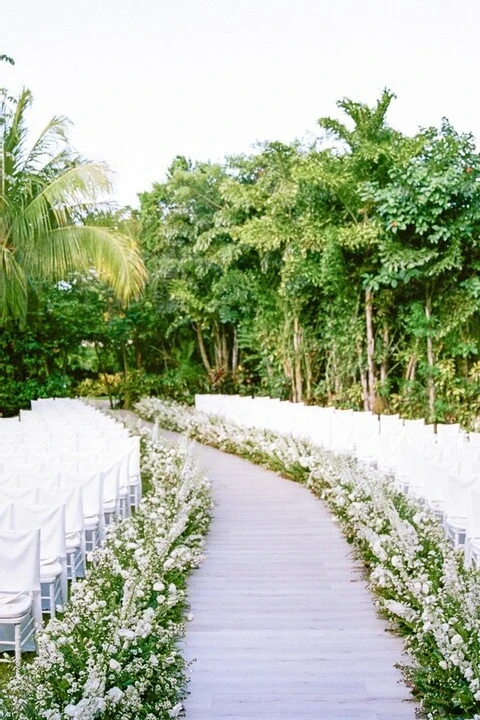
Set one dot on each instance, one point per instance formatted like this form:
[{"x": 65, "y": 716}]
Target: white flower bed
[
  {"x": 419, "y": 580},
  {"x": 114, "y": 652}
]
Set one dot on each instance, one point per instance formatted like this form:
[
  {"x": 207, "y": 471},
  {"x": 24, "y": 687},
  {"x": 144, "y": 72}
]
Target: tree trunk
[
  {"x": 411, "y": 368},
  {"x": 138, "y": 355},
  {"x": 217, "y": 346},
  {"x": 103, "y": 372},
  {"x": 203, "y": 351},
  {"x": 221, "y": 349},
  {"x": 384, "y": 365},
  {"x": 224, "y": 349},
  {"x": 370, "y": 348},
  {"x": 289, "y": 374},
  {"x": 327, "y": 375},
  {"x": 338, "y": 385},
  {"x": 126, "y": 400},
  {"x": 308, "y": 376},
  {"x": 297, "y": 346},
  {"x": 430, "y": 358},
  {"x": 124, "y": 362},
  {"x": 363, "y": 377},
  {"x": 235, "y": 351}
]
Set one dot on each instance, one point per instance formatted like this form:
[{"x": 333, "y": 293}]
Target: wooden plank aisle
[{"x": 283, "y": 625}]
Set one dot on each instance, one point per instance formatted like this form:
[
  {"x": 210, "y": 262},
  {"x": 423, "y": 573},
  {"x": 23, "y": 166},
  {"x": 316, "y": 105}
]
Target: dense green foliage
[
  {"x": 340, "y": 271},
  {"x": 344, "y": 271}
]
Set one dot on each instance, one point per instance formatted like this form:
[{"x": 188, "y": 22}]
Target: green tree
[
  {"x": 364, "y": 150},
  {"x": 46, "y": 192},
  {"x": 269, "y": 206},
  {"x": 430, "y": 211},
  {"x": 190, "y": 253}
]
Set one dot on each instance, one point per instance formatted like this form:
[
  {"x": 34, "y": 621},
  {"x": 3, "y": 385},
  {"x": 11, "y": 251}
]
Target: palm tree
[{"x": 46, "y": 192}]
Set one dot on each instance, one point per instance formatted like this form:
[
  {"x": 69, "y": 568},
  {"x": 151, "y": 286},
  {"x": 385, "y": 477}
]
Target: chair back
[
  {"x": 19, "y": 561},
  {"x": 51, "y": 523},
  {"x": 91, "y": 485},
  {"x": 71, "y": 497},
  {"x": 6, "y": 515}
]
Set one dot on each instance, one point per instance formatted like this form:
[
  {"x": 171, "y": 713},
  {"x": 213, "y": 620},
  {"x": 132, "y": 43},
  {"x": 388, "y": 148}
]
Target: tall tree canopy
[
  {"x": 342, "y": 270},
  {"x": 351, "y": 262},
  {"x": 46, "y": 192}
]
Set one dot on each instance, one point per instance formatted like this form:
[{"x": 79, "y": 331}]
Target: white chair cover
[
  {"x": 71, "y": 498},
  {"x": 20, "y": 574},
  {"x": 51, "y": 522},
  {"x": 6, "y": 516},
  {"x": 23, "y": 495}
]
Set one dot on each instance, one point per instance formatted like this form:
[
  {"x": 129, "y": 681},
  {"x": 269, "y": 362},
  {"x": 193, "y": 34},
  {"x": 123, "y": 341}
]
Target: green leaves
[
  {"x": 46, "y": 193},
  {"x": 13, "y": 286}
]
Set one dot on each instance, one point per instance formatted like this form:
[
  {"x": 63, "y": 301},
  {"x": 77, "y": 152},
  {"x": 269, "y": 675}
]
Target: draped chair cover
[
  {"x": 19, "y": 580},
  {"x": 51, "y": 522}
]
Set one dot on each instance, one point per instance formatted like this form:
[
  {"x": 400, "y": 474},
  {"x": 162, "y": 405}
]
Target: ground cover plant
[
  {"x": 418, "y": 578},
  {"x": 114, "y": 652}
]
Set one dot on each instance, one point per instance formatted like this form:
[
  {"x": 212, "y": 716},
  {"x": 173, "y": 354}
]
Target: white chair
[
  {"x": 71, "y": 497},
  {"x": 457, "y": 508},
  {"x": 134, "y": 476},
  {"x": 342, "y": 431},
  {"x": 23, "y": 495},
  {"x": 449, "y": 435},
  {"x": 121, "y": 457},
  {"x": 6, "y": 515},
  {"x": 11, "y": 465},
  {"x": 110, "y": 473},
  {"x": 30, "y": 479},
  {"x": 92, "y": 502},
  {"x": 20, "y": 605},
  {"x": 472, "y": 530},
  {"x": 53, "y": 565}
]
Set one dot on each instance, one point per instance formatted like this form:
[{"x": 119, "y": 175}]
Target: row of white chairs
[
  {"x": 438, "y": 464},
  {"x": 56, "y": 497}
]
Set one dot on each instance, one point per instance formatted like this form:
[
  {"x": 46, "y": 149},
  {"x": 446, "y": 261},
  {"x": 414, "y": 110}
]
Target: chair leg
[
  {"x": 124, "y": 507},
  {"x": 79, "y": 560},
  {"x": 132, "y": 496},
  {"x": 60, "y": 591},
  {"x": 91, "y": 539},
  {"x": 51, "y": 593},
  {"x": 18, "y": 645},
  {"x": 135, "y": 493},
  {"x": 71, "y": 567}
]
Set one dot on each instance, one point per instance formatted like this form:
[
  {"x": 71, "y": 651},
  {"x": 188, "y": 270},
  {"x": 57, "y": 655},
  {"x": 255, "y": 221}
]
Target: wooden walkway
[{"x": 283, "y": 625}]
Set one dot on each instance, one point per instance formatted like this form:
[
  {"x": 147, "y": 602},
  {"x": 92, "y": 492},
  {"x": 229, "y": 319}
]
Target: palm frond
[
  {"x": 53, "y": 133},
  {"x": 81, "y": 248},
  {"x": 52, "y": 206},
  {"x": 13, "y": 287},
  {"x": 46, "y": 193},
  {"x": 14, "y": 135}
]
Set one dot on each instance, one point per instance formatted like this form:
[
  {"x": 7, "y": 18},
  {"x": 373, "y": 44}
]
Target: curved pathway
[{"x": 283, "y": 625}]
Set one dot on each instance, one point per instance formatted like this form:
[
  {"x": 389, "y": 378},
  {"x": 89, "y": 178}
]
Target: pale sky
[{"x": 145, "y": 80}]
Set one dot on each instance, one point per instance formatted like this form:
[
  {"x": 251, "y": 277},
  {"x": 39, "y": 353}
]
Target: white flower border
[
  {"x": 114, "y": 653},
  {"x": 419, "y": 579}
]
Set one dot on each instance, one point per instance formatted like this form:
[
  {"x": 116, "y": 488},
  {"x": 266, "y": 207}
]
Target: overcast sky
[{"x": 145, "y": 80}]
